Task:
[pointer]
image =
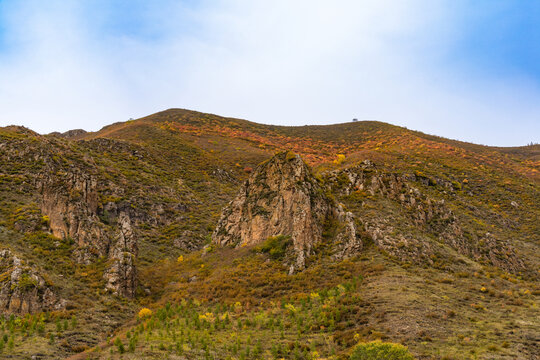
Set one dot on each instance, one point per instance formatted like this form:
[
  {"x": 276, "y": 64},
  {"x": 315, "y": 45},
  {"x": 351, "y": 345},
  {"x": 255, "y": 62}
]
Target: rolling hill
[{"x": 413, "y": 239}]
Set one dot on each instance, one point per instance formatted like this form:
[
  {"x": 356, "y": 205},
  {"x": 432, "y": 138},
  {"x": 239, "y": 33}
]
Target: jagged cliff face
[
  {"x": 429, "y": 218},
  {"x": 23, "y": 289},
  {"x": 122, "y": 275},
  {"x": 282, "y": 197},
  {"x": 64, "y": 193},
  {"x": 100, "y": 196},
  {"x": 71, "y": 203}
]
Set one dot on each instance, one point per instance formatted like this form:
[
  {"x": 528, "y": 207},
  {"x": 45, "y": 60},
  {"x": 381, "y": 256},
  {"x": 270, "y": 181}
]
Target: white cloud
[{"x": 280, "y": 62}]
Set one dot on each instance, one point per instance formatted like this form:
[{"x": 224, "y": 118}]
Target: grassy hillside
[{"x": 177, "y": 169}]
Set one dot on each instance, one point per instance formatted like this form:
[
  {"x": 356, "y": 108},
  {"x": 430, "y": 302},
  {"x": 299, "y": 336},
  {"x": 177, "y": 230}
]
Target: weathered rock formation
[
  {"x": 429, "y": 217},
  {"x": 70, "y": 201},
  {"x": 282, "y": 197},
  {"x": 22, "y": 289},
  {"x": 122, "y": 275},
  {"x": 61, "y": 189},
  {"x": 70, "y": 134}
]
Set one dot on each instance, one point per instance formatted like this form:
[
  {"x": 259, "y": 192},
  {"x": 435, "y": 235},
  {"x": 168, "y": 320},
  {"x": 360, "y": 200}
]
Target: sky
[{"x": 467, "y": 70}]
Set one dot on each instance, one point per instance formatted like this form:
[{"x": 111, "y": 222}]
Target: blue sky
[
  {"x": 468, "y": 70},
  {"x": 503, "y": 37}
]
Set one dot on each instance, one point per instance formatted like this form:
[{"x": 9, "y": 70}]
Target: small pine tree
[
  {"x": 41, "y": 328},
  {"x": 131, "y": 346},
  {"x": 119, "y": 345},
  {"x": 179, "y": 348},
  {"x": 258, "y": 349}
]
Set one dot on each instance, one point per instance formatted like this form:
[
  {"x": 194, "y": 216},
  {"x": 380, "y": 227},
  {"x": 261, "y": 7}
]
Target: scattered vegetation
[
  {"x": 242, "y": 304},
  {"x": 276, "y": 246},
  {"x": 377, "y": 350}
]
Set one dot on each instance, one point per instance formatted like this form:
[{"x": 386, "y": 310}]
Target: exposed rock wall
[
  {"x": 424, "y": 213},
  {"x": 22, "y": 289},
  {"x": 348, "y": 240},
  {"x": 122, "y": 274},
  {"x": 67, "y": 193},
  {"x": 281, "y": 197},
  {"x": 71, "y": 203}
]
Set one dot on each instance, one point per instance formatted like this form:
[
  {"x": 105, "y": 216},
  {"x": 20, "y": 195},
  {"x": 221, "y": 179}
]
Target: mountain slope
[{"x": 449, "y": 233}]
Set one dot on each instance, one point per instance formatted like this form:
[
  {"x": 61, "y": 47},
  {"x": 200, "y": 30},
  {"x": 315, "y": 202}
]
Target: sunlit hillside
[{"x": 95, "y": 227}]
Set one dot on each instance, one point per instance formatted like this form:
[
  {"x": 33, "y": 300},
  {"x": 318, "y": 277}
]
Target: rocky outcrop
[
  {"x": 121, "y": 276},
  {"x": 282, "y": 197},
  {"x": 62, "y": 190},
  {"x": 430, "y": 218},
  {"x": 348, "y": 240},
  {"x": 70, "y": 134},
  {"x": 70, "y": 201},
  {"x": 22, "y": 289}
]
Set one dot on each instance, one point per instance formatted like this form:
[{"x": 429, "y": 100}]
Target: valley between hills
[{"x": 185, "y": 235}]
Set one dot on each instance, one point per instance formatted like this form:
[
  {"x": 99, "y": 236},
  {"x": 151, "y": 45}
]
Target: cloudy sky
[{"x": 468, "y": 70}]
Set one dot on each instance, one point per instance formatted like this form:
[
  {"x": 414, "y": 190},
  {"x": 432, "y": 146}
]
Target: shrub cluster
[
  {"x": 377, "y": 350},
  {"x": 276, "y": 246}
]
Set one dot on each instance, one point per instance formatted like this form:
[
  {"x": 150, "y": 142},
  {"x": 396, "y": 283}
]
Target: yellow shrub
[
  {"x": 291, "y": 308},
  {"x": 207, "y": 317},
  {"x": 238, "y": 307},
  {"x": 145, "y": 312},
  {"x": 340, "y": 159}
]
